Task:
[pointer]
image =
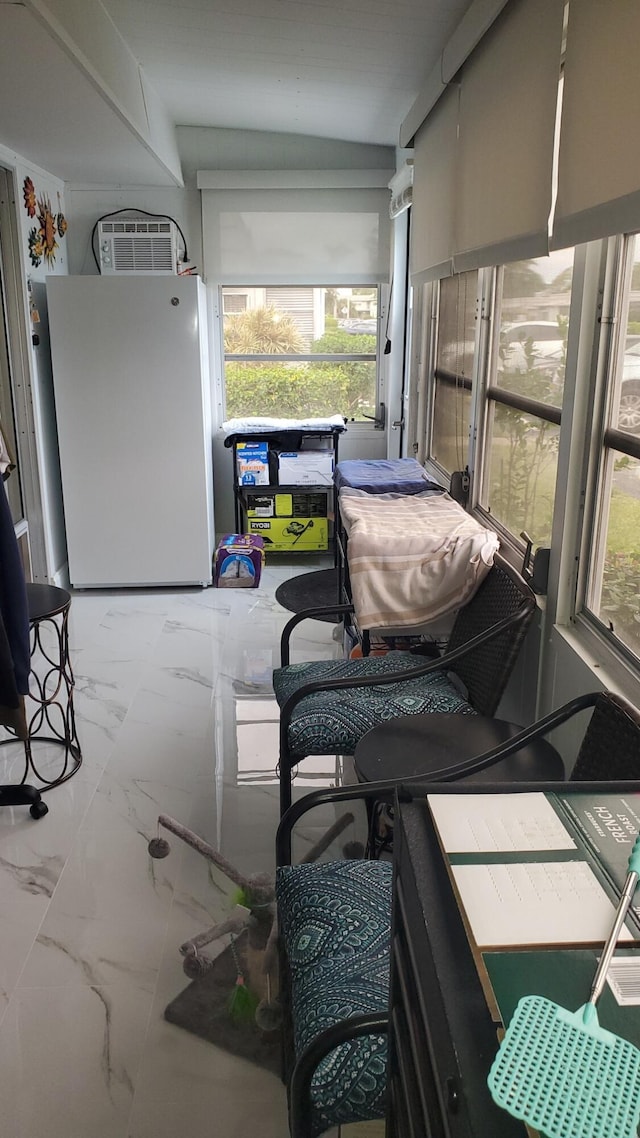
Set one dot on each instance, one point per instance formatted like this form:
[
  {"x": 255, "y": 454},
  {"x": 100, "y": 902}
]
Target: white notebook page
[
  {"x": 497, "y": 823},
  {"x": 556, "y": 902}
]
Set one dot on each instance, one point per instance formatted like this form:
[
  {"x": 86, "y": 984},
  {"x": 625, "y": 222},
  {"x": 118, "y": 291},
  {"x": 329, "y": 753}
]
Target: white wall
[
  {"x": 211, "y": 148},
  {"x": 44, "y": 407},
  {"x": 88, "y": 203},
  {"x": 203, "y": 148},
  {"x": 48, "y": 561}
]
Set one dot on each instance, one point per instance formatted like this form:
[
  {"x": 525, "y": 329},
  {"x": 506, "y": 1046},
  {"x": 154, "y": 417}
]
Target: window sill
[{"x": 610, "y": 671}]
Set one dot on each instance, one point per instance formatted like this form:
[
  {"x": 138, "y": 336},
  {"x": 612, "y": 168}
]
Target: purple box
[{"x": 238, "y": 561}]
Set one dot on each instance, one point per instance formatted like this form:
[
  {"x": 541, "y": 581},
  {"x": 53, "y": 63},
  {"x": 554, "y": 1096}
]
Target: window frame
[
  {"x": 484, "y": 391},
  {"x": 452, "y": 380},
  {"x": 490, "y": 392},
  {"x": 605, "y": 442}
]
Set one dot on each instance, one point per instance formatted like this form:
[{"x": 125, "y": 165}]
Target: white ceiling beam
[
  {"x": 473, "y": 26},
  {"x": 293, "y": 179}
]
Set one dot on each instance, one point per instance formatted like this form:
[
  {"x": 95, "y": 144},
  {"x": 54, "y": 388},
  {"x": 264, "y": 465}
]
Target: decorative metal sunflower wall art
[{"x": 42, "y": 237}]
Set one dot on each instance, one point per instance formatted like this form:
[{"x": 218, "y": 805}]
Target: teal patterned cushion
[
  {"x": 335, "y": 922},
  {"x": 333, "y": 722}
]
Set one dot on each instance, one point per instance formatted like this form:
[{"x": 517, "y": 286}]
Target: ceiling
[
  {"x": 52, "y": 116},
  {"x": 347, "y": 70}
]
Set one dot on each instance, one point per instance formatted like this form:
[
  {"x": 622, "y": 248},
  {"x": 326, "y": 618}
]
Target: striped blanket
[{"x": 412, "y": 559}]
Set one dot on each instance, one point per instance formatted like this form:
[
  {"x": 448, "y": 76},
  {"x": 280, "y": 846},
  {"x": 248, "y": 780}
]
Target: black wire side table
[{"x": 49, "y": 703}]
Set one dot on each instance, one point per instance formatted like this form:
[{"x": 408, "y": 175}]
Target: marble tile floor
[{"x": 175, "y": 714}]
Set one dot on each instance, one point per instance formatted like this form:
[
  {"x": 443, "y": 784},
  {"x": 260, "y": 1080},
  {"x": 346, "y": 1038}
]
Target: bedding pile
[
  {"x": 412, "y": 559},
  {"x": 260, "y": 426}
]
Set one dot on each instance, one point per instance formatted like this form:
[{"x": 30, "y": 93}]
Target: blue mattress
[{"x": 383, "y": 476}]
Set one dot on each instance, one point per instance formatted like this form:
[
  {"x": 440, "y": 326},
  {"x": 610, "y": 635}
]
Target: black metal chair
[{"x": 328, "y": 706}]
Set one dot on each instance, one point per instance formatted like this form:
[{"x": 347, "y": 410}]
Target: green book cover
[
  {"x": 564, "y": 976},
  {"x": 607, "y": 825}
]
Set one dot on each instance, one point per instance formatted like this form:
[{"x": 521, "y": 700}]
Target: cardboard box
[
  {"x": 260, "y": 505},
  {"x": 305, "y": 468},
  {"x": 252, "y": 461},
  {"x": 296, "y": 534},
  {"x": 302, "y": 505}
]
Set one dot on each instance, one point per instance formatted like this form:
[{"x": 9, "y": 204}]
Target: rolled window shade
[
  {"x": 508, "y": 99},
  {"x": 599, "y": 160},
  {"x": 434, "y": 175},
  {"x": 400, "y": 202},
  {"x": 256, "y": 237}
]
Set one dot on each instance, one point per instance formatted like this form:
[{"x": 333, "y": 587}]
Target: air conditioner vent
[
  {"x": 133, "y": 246},
  {"x": 142, "y": 255}
]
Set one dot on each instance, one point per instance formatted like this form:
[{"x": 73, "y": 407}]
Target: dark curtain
[{"x": 14, "y": 624}]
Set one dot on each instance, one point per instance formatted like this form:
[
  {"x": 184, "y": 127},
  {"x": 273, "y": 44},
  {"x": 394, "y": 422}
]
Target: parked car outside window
[
  {"x": 544, "y": 337},
  {"x": 629, "y": 410}
]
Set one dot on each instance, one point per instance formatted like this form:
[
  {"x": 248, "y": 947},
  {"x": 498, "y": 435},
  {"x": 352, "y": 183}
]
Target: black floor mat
[{"x": 310, "y": 590}]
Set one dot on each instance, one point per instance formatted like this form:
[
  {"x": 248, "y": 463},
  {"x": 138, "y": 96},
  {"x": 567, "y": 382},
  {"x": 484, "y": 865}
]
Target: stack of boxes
[{"x": 284, "y": 518}]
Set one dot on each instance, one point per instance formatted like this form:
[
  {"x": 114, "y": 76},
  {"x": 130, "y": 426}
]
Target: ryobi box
[
  {"x": 238, "y": 561},
  {"x": 260, "y": 505},
  {"x": 301, "y": 505},
  {"x": 297, "y": 534}
]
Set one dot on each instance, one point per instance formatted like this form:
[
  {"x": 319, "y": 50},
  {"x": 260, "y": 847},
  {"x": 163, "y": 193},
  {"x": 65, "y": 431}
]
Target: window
[
  {"x": 613, "y": 585},
  {"x": 301, "y": 351},
  {"x": 524, "y": 396},
  {"x": 519, "y": 368},
  {"x": 455, "y": 353},
  {"x": 234, "y": 300}
]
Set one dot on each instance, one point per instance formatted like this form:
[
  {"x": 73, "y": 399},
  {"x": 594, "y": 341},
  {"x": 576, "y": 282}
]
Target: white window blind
[
  {"x": 599, "y": 160},
  {"x": 434, "y": 174},
  {"x": 508, "y": 100},
  {"x": 296, "y": 236},
  {"x": 483, "y": 164}
]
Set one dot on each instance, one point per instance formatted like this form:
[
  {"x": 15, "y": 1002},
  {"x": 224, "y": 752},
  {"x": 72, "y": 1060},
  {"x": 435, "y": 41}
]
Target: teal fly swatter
[{"x": 563, "y": 1074}]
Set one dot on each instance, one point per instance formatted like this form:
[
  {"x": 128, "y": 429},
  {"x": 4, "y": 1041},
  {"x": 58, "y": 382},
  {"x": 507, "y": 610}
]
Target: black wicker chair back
[
  {"x": 611, "y": 745},
  {"x": 485, "y": 670}
]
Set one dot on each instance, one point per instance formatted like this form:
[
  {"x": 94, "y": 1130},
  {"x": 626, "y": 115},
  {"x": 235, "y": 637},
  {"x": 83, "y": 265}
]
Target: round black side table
[
  {"x": 49, "y": 703},
  {"x": 417, "y": 744},
  {"x": 414, "y": 745}
]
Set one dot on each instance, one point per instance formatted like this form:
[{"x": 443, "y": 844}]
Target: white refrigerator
[{"x": 133, "y": 410}]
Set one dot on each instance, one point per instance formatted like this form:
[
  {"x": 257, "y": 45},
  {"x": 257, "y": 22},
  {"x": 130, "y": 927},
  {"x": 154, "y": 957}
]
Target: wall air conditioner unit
[{"x": 132, "y": 246}]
